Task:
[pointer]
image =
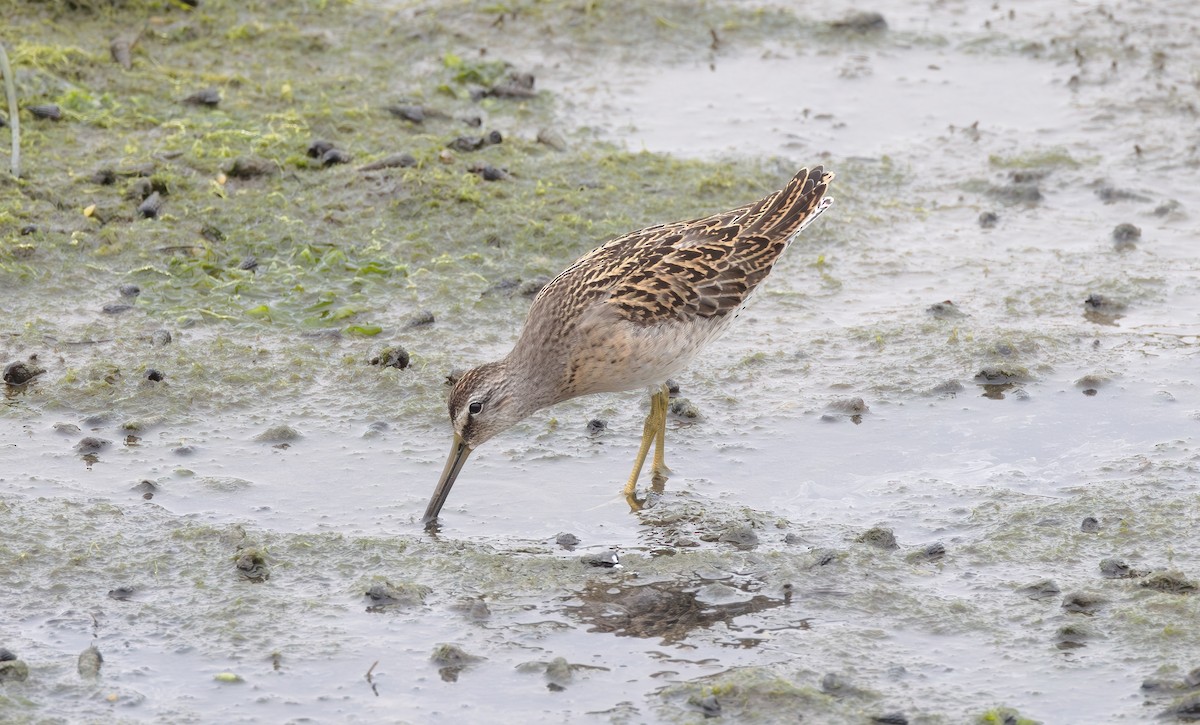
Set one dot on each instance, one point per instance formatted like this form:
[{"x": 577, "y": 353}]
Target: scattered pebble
[
  {"x": 116, "y": 308},
  {"x": 48, "y": 111},
  {"x": 390, "y": 162},
  {"x": 412, "y": 114},
  {"x": 603, "y": 560},
  {"x": 988, "y": 219},
  {"x": 879, "y": 537},
  {"x": 249, "y": 263},
  {"x": 279, "y": 434},
  {"x": 1117, "y": 569},
  {"x": 250, "y": 167},
  {"x": 1016, "y": 192},
  {"x": 891, "y": 718},
  {"x": 334, "y": 156},
  {"x": 595, "y": 426},
  {"x": 317, "y": 148},
  {"x": 489, "y": 172},
  {"x": 129, "y": 290},
  {"x": 567, "y": 541},
  {"x": 420, "y": 318},
  {"x": 154, "y": 375},
  {"x": 947, "y": 388},
  {"x": 151, "y": 206},
  {"x": 740, "y": 536},
  {"x": 210, "y": 97},
  {"x": 1090, "y": 525},
  {"x": 517, "y": 85},
  {"x": 68, "y": 429},
  {"x": 391, "y": 357},
  {"x": 475, "y": 143},
  {"x": 552, "y": 138},
  {"x": 159, "y": 338}
]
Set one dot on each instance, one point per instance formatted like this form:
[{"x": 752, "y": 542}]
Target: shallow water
[{"x": 1002, "y": 477}]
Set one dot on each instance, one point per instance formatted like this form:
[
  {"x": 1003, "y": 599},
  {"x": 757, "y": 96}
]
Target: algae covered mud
[{"x": 943, "y": 470}]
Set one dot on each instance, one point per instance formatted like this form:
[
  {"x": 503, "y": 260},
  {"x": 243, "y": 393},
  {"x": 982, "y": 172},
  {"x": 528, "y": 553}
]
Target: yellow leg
[
  {"x": 658, "y": 469},
  {"x": 653, "y": 431}
]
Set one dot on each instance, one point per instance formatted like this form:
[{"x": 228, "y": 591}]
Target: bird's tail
[{"x": 787, "y": 212}]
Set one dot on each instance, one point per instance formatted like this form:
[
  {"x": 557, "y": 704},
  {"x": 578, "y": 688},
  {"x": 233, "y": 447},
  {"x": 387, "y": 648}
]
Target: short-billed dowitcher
[{"x": 630, "y": 314}]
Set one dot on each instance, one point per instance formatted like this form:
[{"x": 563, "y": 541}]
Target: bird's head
[{"x": 482, "y": 404}]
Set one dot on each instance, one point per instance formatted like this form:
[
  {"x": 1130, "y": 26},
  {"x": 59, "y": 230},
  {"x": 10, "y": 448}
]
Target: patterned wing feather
[
  {"x": 697, "y": 268},
  {"x": 712, "y": 266}
]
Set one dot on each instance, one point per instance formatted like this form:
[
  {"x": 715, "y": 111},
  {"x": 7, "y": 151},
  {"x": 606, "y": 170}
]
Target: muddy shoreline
[{"x": 943, "y": 471}]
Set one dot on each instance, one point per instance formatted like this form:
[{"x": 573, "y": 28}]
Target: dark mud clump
[
  {"x": 48, "y": 111},
  {"x": 879, "y": 537},
  {"x": 861, "y": 22},
  {"x": 391, "y": 357},
  {"x": 1118, "y": 569},
  {"x": 945, "y": 310},
  {"x": 1168, "y": 582},
  {"x": 89, "y": 663},
  {"x": 1103, "y": 309},
  {"x": 151, "y": 207},
  {"x": 21, "y": 372},
  {"x": 250, "y": 167},
  {"x": 279, "y": 434},
  {"x": 1044, "y": 589},
  {"x": 988, "y": 219},
  {"x": 391, "y": 161},
  {"x": 209, "y": 98},
  {"x": 384, "y": 595},
  {"x": 928, "y": 554},
  {"x": 740, "y": 536},
  {"x": 92, "y": 444},
  {"x": 1126, "y": 236},
  {"x": 846, "y": 408},
  {"x": 251, "y": 564}
]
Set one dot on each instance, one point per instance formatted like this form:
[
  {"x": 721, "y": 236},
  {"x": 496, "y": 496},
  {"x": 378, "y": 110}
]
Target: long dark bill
[{"x": 454, "y": 464}]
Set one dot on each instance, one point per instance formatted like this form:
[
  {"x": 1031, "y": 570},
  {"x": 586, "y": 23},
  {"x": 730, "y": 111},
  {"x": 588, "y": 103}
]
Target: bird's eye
[{"x": 476, "y": 408}]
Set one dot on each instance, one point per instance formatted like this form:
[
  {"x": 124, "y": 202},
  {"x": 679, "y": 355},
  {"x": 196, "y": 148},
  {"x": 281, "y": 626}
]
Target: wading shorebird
[{"x": 630, "y": 314}]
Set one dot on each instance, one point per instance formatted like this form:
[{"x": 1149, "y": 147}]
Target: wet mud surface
[{"x": 943, "y": 470}]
